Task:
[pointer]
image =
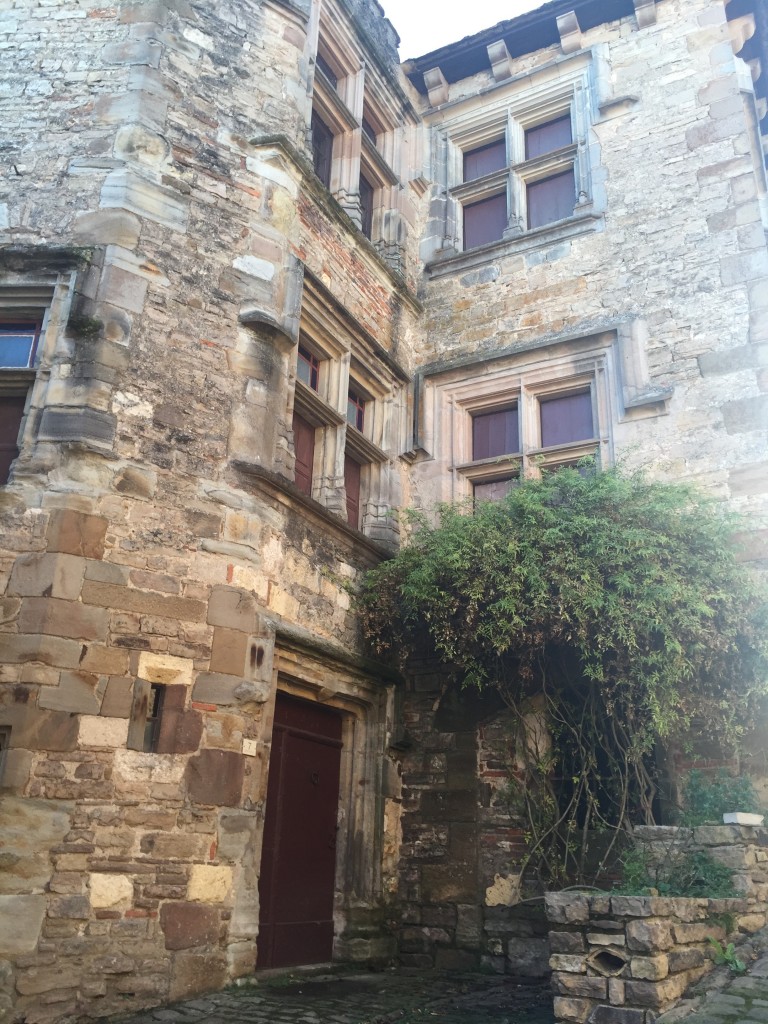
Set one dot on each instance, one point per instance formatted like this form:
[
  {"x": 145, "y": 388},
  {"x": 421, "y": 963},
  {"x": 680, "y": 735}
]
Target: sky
[{"x": 424, "y": 25}]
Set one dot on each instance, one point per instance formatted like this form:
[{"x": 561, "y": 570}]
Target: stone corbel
[
  {"x": 570, "y": 32},
  {"x": 437, "y": 86},
  {"x": 645, "y": 12},
  {"x": 638, "y": 390},
  {"x": 501, "y": 62}
]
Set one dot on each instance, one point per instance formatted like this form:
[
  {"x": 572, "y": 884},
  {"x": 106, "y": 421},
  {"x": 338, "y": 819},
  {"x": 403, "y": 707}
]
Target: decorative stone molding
[
  {"x": 570, "y": 32},
  {"x": 437, "y": 86},
  {"x": 501, "y": 61}
]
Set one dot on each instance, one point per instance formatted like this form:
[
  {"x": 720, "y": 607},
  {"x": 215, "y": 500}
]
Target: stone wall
[{"x": 624, "y": 959}]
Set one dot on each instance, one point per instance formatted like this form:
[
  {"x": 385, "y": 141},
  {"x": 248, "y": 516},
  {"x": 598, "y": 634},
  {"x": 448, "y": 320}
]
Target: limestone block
[
  {"x": 210, "y": 883},
  {"x": 110, "y": 891},
  {"x": 617, "y": 992},
  {"x": 566, "y": 908},
  {"x": 186, "y": 925},
  {"x": 107, "y": 227},
  {"x": 569, "y": 962},
  {"x": 192, "y": 974},
  {"x": 684, "y": 959},
  {"x": 566, "y": 942},
  {"x": 579, "y": 985},
  {"x": 28, "y": 830},
  {"x": 631, "y": 906},
  {"x": 504, "y": 892},
  {"x": 216, "y": 777},
  {"x": 105, "y": 660},
  {"x": 103, "y": 732},
  {"x": 165, "y": 669},
  {"x": 49, "y": 575},
  {"x": 649, "y": 936},
  {"x": 649, "y": 968},
  {"x": 69, "y": 619},
  {"x": 118, "y": 698},
  {"x": 118, "y": 598},
  {"x": 577, "y": 1010},
  {"x": 229, "y": 651},
  {"x": 77, "y": 692},
  {"x": 751, "y": 923},
  {"x": 21, "y": 918},
  {"x": 657, "y": 994},
  {"x": 35, "y": 729},
  {"x": 76, "y": 533},
  {"x": 605, "y": 939},
  {"x": 233, "y": 609}
]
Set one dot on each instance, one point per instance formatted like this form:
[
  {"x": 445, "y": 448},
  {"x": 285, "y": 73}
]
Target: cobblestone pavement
[
  {"x": 403, "y": 997},
  {"x": 388, "y": 997}
]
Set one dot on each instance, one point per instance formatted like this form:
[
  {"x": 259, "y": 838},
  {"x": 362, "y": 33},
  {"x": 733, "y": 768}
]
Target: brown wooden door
[{"x": 298, "y": 862}]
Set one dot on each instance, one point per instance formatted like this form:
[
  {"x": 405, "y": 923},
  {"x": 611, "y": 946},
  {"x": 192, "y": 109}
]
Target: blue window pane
[{"x": 18, "y": 343}]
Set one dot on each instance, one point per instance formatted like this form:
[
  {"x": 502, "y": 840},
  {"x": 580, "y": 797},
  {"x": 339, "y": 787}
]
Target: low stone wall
[{"x": 624, "y": 959}]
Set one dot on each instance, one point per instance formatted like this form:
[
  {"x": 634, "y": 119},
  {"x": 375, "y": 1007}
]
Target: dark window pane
[
  {"x": 485, "y": 160},
  {"x": 485, "y": 221},
  {"x": 18, "y": 342},
  {"x": 352, "y": 487},
  {"x": 551, "y": 199},
  {"x": 322, "y": 149},
  {"x": 308, "y": 368},
  {"x": 327, "y": 70},
  {"x": 304, "y": 450},
  {"x": 366, "y": 206},
  {"x": 566, "y": 418},
  {"x": 494, "y": 490},
  {"x": 356, "y": 410},
  {"x": 495, "y": 433},
  {"x": 369, "y": 130},
  {"x": 11, "y": 412},
  {"x": 545, "y": 138}
]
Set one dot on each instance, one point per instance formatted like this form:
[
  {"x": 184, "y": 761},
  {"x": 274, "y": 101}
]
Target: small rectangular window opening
[
  {"x": 5, "y": 742},
  {"x": 495, "y": 433},
  {"x": 327, "y": 70},
  {"x": 485, "y": 160},
  {"x": 308, "y": 368},
  {"x": 366, "y": 206},
  {"x": 154, "y": 715},
  {"x": 566, "y": 418},
  {"x": 18, "y": 343},
  {"x": 356, "y": 410}
]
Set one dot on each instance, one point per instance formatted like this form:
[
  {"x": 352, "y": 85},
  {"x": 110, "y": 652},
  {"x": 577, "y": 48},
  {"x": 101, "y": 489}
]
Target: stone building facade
[{"x": 261, "y": 287}]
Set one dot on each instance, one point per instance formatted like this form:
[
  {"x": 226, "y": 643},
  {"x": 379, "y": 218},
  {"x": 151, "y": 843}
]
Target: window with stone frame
[
  {"x": 341, "y": 412},
  {"x": 536, "y": 426},
  {"x": 21, "y": 331},
  {"x": 353, "y": 134},
  {"x": 518, "y": 164}
]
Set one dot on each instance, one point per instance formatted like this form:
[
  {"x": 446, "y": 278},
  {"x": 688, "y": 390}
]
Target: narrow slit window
[
  {"x": 304, "y": 451},
  {"x": 322, "y": 149},
  {"x": 352, "y": 478},
  {"x": 366, "y": 206},
  {"x": 154, "y": 714}
]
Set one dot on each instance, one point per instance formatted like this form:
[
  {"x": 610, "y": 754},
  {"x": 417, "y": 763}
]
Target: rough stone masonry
[{"x": 258, "y": 281}]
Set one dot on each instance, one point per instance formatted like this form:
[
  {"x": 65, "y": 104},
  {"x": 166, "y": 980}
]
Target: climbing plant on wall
[{"x": 611, "y": 613}]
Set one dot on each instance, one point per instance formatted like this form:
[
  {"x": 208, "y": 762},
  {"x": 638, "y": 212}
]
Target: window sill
[
  {"x": 538, "y": 238},
  {"x": 287, "y": 493}
]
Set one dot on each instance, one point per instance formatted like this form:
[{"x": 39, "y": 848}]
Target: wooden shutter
[
  {"x": 494, "y": 490},
  {"x": 485, "y": 160},
  {"x": 551, "y": 199},
  {"x": 545, "y": 138},
  {"x": 495, "y": 433},
  {"x": 566, "y": 418},
  {"x": 352, "y": 487},
  {"x": 322, "y": 149},
  {"x": 485, "y": 221},
  {"x": 304, "y": 450},
  {"x": 11, "y": 412}
]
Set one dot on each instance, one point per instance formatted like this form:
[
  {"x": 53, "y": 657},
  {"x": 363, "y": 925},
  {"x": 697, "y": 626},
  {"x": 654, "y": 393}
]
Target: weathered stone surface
[
  {"x": 579, "y": 985},
  {"x": 232, "y": 609},
  {"x": 21, "y": 918},
  {"x": 62, "y": 618},
  {"x": 616, "y": 1015},
  {"x": 529, "y": 958},
  {"x": 649, "y": 936},
  {"x": 216, "y": 777},
  {"x": 649, "y": 968},
  {"x": 28, "y": 830},
  {"x": 47, "y": 575},
  {"x": 210, "y": 883},
  {"x": 566, "y": 942},
  {"x": 186, "y": 925},
  {"x": 192, "y": 974},
  {"x": 577, "y": 1010},
  {"x": 75, "y": 533},
  {"x": 657, "y": 994},
  {"x": 77, "y": 692},
  {"x": 110, "y": 891},
  {"x": 98, "y": 731}
]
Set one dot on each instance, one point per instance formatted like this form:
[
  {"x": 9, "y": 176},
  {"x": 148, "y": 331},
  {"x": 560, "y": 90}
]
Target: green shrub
[
  {"x": 707, "y": 797},
  {"x": 682, "y": 873}
]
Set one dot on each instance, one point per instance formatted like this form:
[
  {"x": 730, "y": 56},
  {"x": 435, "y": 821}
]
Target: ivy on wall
[{"x": 610, "y": 607}]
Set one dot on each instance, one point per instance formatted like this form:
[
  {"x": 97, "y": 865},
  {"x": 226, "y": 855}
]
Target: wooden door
[{"x": 298, "y": 863}]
